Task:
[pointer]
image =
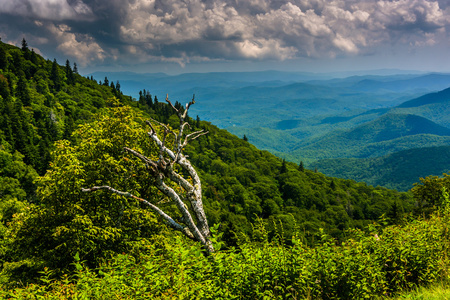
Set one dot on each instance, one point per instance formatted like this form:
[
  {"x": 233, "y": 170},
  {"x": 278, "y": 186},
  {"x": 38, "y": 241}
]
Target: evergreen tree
[
  {"x": 301, "y": 167},
  {"x": 69, "y": 73},
  {"x": 3, "y": 59},
  {"x": 75, "y": 68},
  {"x": 54, "y": 76},
  {"x": 22, "y": 91},
  {"x": 141, "y": 99},
  {"x": 118, "y": 86},
  {"x": 25, "y": 50},
  {"x": 24, "y": 45},
  {"x": 197, "y": 122},
  {"x": 148, "y": 99},
  {"x": 106, "y": 82},
  {"x": 283, "y": 168},
  {"x": 332, "y": 185},
  {"x": 245, "y": 138}
]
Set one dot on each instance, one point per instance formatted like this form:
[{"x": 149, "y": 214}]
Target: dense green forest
[
  {"x": 318, "y": 116},
  {"x": 399, "y": 170},
  {"x": 61, "y": 132}
]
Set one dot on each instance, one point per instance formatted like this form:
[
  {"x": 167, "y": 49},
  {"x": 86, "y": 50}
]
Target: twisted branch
[{"x": 163, "y": 168}]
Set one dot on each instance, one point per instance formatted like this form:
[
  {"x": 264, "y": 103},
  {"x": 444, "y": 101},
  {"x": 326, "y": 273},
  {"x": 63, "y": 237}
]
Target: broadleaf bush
[{"x": 366, "y": 266}]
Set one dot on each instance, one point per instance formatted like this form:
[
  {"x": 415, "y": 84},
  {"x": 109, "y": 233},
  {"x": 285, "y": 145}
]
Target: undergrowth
[{"x": 378, "y": 263}]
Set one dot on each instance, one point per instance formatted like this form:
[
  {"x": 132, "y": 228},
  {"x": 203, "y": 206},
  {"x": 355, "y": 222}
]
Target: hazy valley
[{"x": 311, "y": 117}]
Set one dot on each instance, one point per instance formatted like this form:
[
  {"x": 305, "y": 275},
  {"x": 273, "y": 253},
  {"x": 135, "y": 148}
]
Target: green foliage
[
  {"x": 431, "y": 193},
  {"x": 39, "y": 101},
  {"x": 16, "y": 178},
  {"x": 367, "y": 266},
  {"x": 241, "y": 182},
  {"x": 271, "y": 212},
  {"x": 66, "y": 221}
]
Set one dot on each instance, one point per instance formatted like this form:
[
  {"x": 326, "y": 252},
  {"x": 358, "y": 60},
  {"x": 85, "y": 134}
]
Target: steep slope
[
  {"x": 41, "y": 102},
  {"x": 240, "y": 181},
  {"x": 399, "y": 170}
]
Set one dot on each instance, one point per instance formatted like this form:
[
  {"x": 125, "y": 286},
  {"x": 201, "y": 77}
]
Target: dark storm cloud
[{"x": 184, "y": 31}]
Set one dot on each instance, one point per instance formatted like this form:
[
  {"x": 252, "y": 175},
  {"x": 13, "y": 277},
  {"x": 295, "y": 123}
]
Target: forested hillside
[
  {"x": 318, "y": 117},
  {"x": 387, "y": 134},
  {"x": 61, "y": 132},
  {"x": 399, "y": 170},
  {"x": 42, "y": 102}
]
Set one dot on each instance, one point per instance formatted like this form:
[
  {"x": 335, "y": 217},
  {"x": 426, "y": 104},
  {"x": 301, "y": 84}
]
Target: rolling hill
[
  {"x": 399, "y": 170},
  {"x": 387, "y": 134},
  {"x": 309, "y": 117},
  {"x": 438, "y": 97}
]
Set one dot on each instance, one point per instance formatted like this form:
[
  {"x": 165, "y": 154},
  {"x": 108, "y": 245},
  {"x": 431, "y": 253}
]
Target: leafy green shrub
[{"x": 367, "y": 266}]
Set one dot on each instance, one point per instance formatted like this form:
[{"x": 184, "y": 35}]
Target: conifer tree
[
  {"x": 301, "y": 167},
  {"x": 69, "y": 72},
  {"x": 148, "y": 99},
  {"x": 54, "y": 76},
  {"x": 283, "y": 168},
  {"x": 25, "y": 50},
  {"x": 3, "y": 59},
  {"x": 118, "y": 86}
]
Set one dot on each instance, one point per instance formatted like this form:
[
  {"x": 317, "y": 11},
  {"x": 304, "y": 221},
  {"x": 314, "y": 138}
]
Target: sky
[{"x": 180, "y": 36}]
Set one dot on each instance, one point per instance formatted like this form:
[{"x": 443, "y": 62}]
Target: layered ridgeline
[
  {"x": 403, "y": 144},
  {"x": 309, "y": 117},
  {"x": 42, "y": 102},
  {"x": 370, "y": 145}
]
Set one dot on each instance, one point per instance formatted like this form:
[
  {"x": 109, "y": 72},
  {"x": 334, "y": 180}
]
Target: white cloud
[
  {"x": 47, "y": 9},
  {"x": 267, "y": 29},
  {"x": 201, "y": 30},
  {"x": 82, "y": 47}
]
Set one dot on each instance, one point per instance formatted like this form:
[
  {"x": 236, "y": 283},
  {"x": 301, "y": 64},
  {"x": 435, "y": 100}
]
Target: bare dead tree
[{"x": 194, "y": 226}]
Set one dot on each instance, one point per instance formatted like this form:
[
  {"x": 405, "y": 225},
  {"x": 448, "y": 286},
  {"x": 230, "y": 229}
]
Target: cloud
[
  {"x": 47, "y": 9},
  {"x": 278, "y": 29},
  {"x": 202, "y": 30},
  {"x": 80, "y": 46}
]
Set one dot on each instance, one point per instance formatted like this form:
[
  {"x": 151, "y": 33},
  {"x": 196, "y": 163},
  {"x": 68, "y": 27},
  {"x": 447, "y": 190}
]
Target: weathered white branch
[
  {"x": 148, "y": 162},
  {"x": 193, "y": 136},
  {"x": 163, "y": 168},
  {"x": 171, "y": 222}
]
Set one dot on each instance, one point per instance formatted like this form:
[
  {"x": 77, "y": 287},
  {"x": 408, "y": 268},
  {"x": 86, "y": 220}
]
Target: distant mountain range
[{"x": 311, "y": 117}]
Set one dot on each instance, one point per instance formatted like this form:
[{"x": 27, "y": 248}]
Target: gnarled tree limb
[
  {"x": 165, "y": 216},
  {"x": 196, "y": 225}
]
